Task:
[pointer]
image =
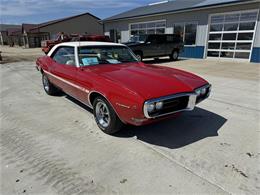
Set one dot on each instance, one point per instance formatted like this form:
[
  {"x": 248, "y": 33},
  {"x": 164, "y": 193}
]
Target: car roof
[
  {"x": 88, "y": 43},
  {"x": 82, "y": 44}
]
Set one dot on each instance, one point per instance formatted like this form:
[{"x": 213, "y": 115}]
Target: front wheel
[{"x": 105, "y": 116}]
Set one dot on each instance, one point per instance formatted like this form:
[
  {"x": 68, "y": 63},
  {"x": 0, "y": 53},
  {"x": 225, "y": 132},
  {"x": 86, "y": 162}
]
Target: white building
[{"x": 210, "y": 28}]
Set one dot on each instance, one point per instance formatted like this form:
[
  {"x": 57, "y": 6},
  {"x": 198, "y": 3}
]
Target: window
[
  {"x": 214, "y": 45},
  {"x": 245, "y": 36},
  {"x": 188, "y": 32},
  {"x": 95, "y": 55},
  {"x": 230, "y": 27},
  {"x": 232, "y": 18},
  {"x": 247, "y": 26},
  {"x": 230, "y": 36},
  {"x": 216, "y": 27},
  {"x": 228, "y": 46},
  {"x": 217, "y": 19},
  {"x": 244, "y": 46},
  {"x": 156, "y": 27},
  {"x": 215, "y": 37},
  {"x": 64, "y": 55}
]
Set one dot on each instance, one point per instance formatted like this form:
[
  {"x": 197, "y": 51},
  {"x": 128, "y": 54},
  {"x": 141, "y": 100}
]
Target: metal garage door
[{"x": 231, "y": 35}]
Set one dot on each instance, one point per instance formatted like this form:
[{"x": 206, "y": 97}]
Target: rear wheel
[
  {"x": 49, "y": 88},
  {"x": 105, "y": 116},
  {"x": 175, "y": 55}
]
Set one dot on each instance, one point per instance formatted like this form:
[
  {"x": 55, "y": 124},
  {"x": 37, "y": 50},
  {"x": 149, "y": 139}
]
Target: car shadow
[
  {"x": 178, "y": 132},
  {"x": 79, "y": 103},
  {"x": 173, "y": 133},
  {"x": 161, "y": 60}
]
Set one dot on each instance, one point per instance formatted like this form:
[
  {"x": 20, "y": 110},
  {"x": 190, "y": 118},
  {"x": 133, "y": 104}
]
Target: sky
[{"x": 38, "y": 11}]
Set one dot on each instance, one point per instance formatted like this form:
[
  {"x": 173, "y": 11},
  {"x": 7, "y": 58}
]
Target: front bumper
[{"x": 176, "y": 103}]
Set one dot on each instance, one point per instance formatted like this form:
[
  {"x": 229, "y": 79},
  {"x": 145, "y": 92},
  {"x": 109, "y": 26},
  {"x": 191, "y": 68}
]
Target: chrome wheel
[
  {"x": 46, "y": 84},
  {"x": 102, "y": 114}
]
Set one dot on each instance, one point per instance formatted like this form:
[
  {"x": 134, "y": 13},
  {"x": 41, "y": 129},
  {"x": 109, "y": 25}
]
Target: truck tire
[
  {"x": 174, "y": 55},
  {"x": 139, "y": 56}
]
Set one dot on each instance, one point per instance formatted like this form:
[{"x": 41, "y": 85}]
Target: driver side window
[{"x": 65, "y": 55}]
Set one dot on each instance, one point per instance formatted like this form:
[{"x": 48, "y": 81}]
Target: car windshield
[
  {"x": 138, "y": 38},
  {"x": 95, "y": 55}
]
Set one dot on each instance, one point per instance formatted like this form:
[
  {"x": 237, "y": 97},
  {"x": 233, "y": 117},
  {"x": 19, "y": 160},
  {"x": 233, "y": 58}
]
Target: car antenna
[{"x": 79, "y": 50}]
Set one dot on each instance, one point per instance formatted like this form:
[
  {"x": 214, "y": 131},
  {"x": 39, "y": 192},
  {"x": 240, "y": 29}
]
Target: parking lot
[{"x": 51, "y": 145}]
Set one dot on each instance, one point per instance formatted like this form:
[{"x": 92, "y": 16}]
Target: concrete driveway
[{"x": 51, "y": 145}]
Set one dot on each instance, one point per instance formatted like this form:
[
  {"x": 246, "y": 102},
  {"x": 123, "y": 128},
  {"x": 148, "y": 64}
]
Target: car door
[
  {"x": 154, "y": 46},
  {"x": 63, "y": 69},
  {"x": 170, "y": 45},
  {"x": 84, "y": 78}
]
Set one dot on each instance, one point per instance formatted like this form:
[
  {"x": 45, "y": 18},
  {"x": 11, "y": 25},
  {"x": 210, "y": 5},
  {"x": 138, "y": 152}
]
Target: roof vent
[{"x": 160, "y": 2}]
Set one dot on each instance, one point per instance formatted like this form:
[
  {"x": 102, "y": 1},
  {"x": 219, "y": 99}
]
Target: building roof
[
  {"x": 5, "y": 27},
  {"x": 28, "y": 27},
  {"x": 172, "y": 6},
  {"x": 61, "y": 20},
  {"x": 20, "y": 29},
  {"x": 14, "y": 31}
]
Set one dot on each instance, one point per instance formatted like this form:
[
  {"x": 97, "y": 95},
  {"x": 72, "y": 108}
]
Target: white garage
[{"x": 231, "y": 35}]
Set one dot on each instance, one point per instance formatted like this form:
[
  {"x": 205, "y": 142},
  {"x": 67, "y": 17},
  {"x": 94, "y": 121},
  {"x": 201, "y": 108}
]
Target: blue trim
[
  {"x": 255, "y": 57},
  {"x": 193, "y": 52}
]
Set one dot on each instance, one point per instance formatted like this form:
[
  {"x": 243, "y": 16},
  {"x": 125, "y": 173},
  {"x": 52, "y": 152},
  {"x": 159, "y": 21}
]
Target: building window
[
  {"x": 231, "y": 34},
  {"x": 188, "y": 31},
  {"x": 155, "y": 27}
]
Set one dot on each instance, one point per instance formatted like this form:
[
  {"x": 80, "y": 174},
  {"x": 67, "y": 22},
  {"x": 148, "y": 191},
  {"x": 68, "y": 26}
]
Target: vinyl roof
[
  {"x": 171, "y": 6},
  {"x": 82, "y": 44},
  {"x": 89, "y": 43}
]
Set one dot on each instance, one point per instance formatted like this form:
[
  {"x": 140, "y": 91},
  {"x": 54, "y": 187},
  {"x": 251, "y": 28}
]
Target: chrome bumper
[{"x": 190, "y": 105}]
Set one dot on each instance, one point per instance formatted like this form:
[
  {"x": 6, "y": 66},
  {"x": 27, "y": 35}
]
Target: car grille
[{"x": 171, "y": 105}]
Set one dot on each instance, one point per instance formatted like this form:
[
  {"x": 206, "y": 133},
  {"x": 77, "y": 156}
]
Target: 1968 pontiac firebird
[{"x": 121, "y": 90}]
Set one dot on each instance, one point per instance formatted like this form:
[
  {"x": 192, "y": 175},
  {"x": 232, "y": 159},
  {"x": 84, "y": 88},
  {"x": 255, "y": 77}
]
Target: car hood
[{"x": 150, "y": 81}]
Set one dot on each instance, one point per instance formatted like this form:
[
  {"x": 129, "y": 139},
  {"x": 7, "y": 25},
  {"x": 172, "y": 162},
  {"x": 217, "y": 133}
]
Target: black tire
[
  {"x": 48, "y": 87},
  {"x": 174, "y": 55},
  {"x": 114, "y": 125},
  {"x": 139, "y": 56}
]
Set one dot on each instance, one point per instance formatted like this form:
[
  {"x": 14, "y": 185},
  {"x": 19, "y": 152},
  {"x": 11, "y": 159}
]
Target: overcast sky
[{"x": 37, "y": 11}]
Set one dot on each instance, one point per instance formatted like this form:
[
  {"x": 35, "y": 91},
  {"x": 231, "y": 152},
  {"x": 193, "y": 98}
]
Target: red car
[{"x": 108, "y": 78}]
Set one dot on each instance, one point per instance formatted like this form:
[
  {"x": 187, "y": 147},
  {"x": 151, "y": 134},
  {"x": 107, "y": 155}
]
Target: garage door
[{"x": 231, "y": 35}]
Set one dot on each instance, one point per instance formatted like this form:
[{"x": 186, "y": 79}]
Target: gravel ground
[
  {"x": 51, "y": 145},
  {"x": 18, "y": 54}
]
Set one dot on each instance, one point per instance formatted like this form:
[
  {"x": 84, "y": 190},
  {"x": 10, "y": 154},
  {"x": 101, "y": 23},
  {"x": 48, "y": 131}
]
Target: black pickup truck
[{"x": 154, "y": 46}]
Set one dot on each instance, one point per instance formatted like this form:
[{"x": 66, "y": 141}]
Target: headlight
[
  {"x": 150, "y": 107},
  {"x": 203, "y": 91},
  {"x": 198, "y": 92},
  {"x": 159, "y": 105}
]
